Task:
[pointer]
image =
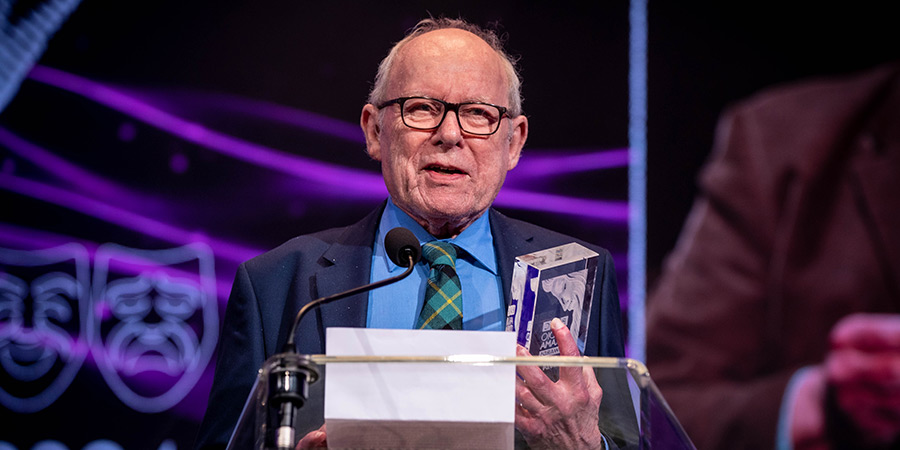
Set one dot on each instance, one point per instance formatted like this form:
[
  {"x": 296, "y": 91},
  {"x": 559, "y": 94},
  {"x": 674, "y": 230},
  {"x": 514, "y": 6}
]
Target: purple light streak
[
  {"x": 597, "y": 209},
  {"x": 363, "y": 184},
  {"x": 122, "y": 217},
  {"x": 283, "y": 114},
  {"x": 71, "y": 172},
  {"x": 94, "y": 207},
  {"x": 544, "y": 165},
  {"x": 27, "y": 238}
]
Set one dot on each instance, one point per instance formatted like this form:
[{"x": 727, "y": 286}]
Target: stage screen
[{"x": 154, "y": 146}]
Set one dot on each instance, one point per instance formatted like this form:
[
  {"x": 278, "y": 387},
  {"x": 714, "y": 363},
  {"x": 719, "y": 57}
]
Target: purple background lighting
[
  {"x": 234, "y": 125},
  {"x": 122, "y": 217},
  {"x": 157, "y": 124},
  {"x": 64, "y": 170},
  {"x": 360, "y": 183},
  {"x": 15, "y": 237}
]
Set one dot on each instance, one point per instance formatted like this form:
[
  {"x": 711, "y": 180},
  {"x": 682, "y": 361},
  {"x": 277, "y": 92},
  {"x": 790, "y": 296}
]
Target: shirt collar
[{"x": 476, "y": 239}]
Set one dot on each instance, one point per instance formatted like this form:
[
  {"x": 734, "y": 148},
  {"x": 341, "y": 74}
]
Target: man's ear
[
  {"x": 517, "y": 139},
  {"x": 368, "y": 120}
]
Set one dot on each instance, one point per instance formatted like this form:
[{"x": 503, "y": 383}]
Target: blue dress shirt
[{"x": 398, "y": 305}]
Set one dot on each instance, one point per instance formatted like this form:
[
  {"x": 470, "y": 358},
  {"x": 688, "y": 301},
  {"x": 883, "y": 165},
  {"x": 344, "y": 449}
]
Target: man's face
[{"x": 444, "y": 178}]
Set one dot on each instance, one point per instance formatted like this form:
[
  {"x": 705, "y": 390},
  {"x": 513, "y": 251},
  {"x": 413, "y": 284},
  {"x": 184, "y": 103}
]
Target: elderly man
[{"x": 444, "y": 120}]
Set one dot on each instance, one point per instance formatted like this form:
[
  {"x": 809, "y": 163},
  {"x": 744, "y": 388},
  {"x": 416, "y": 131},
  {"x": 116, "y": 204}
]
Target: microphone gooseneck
[
  {"x": 289, "y": 379},
  {"x": 402, "y": 248}
]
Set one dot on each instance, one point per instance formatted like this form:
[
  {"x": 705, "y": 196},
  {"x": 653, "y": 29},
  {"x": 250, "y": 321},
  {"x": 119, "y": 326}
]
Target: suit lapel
[
  {"x": 509, "y": 242},
  {"x": 349, "y": 262},
  {"x": 876, "y": 165}
]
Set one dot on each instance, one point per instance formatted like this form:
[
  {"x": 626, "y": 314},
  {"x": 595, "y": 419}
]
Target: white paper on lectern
[{"x": 419, "y": 392}]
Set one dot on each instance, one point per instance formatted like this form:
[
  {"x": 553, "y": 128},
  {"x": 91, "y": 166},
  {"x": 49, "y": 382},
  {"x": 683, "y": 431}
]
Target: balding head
[{"x": 385, "y": 69}]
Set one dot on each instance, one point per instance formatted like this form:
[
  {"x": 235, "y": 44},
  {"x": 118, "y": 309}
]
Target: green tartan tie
[{"x": 443, "y": 295}]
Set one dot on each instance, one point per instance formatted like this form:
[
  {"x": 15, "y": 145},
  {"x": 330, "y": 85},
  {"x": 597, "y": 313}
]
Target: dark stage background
[{"x": 156, "y": 145}]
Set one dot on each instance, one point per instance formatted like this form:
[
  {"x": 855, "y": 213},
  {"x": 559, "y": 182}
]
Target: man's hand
[
  {"x": 313, "y": 439},
  {"x": 862, "y": 369},
  {"x": 562, "y": 414}
]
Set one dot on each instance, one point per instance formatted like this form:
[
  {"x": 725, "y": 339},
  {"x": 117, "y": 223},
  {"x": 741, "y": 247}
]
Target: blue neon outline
[{"x": 637, "y": 178}]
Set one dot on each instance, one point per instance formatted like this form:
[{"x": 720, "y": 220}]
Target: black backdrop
[
  {"x": 704, "y": 56},
  {"x": 141, "y": 124}
]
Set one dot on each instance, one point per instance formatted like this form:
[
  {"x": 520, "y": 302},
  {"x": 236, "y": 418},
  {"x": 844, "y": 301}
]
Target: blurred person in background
[{"x": 775, "y": 321}]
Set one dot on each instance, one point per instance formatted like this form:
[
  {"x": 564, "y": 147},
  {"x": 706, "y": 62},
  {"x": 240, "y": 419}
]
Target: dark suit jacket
[
  {"x": 270, "y": 289},
  {"x": 798, "y": 225}
]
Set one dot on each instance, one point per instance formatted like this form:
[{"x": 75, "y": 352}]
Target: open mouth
[{"x": 444, "y": 169}]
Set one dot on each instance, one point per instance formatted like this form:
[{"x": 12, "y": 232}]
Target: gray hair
[{"x": 377, "y": 95}]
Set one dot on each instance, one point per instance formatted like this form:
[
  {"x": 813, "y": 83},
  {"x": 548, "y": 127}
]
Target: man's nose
[{"x": 449, "y": 133}]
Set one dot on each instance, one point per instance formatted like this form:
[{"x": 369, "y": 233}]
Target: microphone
[
  {"x": 290, "y": 378},
  {"x": 402, "y": 247}
]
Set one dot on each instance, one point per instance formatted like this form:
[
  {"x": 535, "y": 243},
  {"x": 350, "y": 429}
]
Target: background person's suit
[{"x": 798, "y": 225}]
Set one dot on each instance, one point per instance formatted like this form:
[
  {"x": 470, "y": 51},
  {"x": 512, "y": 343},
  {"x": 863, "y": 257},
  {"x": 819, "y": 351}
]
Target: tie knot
[{"x": 439, "y": 252}]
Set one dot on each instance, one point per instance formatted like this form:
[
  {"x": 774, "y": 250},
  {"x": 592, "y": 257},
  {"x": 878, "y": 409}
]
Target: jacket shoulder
[
  {"x": 823, "y": 95},
  {"x": 299, "y": 248},
  {"x": 537, "y": 237},
  {"x": 313, "y": 248}
]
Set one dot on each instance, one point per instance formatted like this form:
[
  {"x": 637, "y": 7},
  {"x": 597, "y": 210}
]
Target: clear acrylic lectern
[{"x": 633, "y": 413}]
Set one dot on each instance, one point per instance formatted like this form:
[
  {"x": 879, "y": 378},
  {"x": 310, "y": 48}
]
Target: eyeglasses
[{"x": 423, "y": 113}]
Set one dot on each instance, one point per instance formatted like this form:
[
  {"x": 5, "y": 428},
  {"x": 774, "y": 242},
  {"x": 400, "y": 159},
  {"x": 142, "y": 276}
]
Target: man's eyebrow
[
  {"x": 476, "y": 100},
  {"x": 465, "y": 100}
]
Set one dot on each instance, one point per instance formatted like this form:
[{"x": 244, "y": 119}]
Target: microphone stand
[{"x": 290, "y": 378}]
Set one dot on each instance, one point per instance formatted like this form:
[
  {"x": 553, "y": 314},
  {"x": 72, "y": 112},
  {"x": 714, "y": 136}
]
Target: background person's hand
[{"x": 863, "y": 371}]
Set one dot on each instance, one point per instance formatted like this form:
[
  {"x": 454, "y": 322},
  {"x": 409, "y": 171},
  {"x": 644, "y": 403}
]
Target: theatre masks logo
[
  {"x": 44, "y": 324},
  {"x": 150, "y": 319}
]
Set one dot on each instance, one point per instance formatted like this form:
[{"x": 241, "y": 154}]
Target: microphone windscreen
[{"x": 401, "y": 244}]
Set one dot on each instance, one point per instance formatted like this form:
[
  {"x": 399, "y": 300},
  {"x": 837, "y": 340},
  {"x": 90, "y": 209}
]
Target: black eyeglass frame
[{"x": 447, "y": 108}]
